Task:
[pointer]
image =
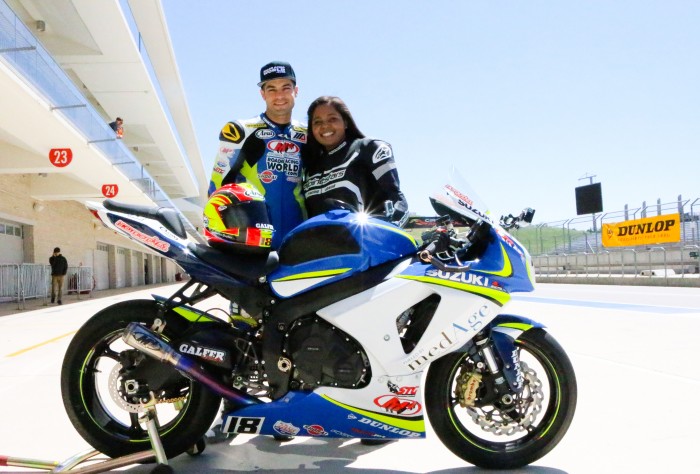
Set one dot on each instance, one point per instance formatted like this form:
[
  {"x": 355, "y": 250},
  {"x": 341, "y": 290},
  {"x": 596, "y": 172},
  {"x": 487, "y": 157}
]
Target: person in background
[
  {"x": 342, "y": 164},
  {"x": 265, "y": 151},
  {"x": 59, "y": 268},
  {"x": 118, "y": 127}
]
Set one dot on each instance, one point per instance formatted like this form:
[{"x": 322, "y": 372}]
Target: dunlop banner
[{"x": 651, "y": 230}]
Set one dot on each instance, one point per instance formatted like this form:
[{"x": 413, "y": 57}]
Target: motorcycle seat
[
  {"x": 243, "y": 265},
  {"x": 165, "y": 215}
]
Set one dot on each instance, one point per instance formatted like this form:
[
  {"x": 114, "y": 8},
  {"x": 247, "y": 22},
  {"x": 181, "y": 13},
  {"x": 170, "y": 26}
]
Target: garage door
[
  {"x": 101, "y": 267},
  {"x": 121, "y": 268},
  {"x": 11, "y": 242}
]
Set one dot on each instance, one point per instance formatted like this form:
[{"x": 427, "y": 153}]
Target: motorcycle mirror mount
[{"x": 527, "y": 215}]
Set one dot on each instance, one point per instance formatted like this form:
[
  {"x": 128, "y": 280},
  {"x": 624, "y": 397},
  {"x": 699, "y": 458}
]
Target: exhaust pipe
[{"x": 150, "y": 343}]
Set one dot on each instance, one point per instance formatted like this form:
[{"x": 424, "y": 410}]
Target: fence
[
  {"x": 19, "y": 282},
  {"x": 582, "y": 234},
  {"x": 679, "y": 266}
]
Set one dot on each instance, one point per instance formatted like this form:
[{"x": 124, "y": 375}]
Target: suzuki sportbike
[{"x": 332, "y": 338}]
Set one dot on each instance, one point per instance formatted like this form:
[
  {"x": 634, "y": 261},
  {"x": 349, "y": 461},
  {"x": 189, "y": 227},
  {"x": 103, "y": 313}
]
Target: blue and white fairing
[
  {"x": 504, "y": 267},
  {"x": 333, "y": 246}
]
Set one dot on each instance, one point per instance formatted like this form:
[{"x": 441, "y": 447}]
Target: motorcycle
[{"x": 333, "y": 335}]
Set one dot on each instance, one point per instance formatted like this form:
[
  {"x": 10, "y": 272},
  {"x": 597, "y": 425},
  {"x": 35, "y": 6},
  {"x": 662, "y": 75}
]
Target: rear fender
[{"x": 505, "y": 330}]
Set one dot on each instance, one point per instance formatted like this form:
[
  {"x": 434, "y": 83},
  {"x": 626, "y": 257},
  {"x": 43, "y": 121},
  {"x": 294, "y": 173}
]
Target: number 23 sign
[{"x": 60, "y": 157}]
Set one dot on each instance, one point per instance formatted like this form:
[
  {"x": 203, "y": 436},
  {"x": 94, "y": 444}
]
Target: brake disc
[
  {"x": 115, "y": 391},
  {"x": 528, "y": 402}
]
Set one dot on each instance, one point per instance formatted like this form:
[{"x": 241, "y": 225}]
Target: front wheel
[
  {"x": 478, "y": 432},
  {"x": 105, "y": 384}
]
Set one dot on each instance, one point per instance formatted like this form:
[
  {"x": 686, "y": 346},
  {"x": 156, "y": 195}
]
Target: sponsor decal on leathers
[
  {"x": 382, "y": 153},
  {"x": 650, "y": 230},
  {"x": 263, "y": 134},
  {"x": 267, "y": 176},
  {"x": 283, "y": 146},
  {"x": 232, "y": 132}
]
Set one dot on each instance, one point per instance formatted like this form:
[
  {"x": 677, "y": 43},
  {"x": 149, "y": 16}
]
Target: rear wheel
[
  {"x": 105, "y": 383},
  {"x": 481, "y": 434}
]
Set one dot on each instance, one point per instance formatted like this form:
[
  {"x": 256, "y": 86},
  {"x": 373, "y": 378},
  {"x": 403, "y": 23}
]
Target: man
[
  {"x": 59, "y": 268},
  {"x": 117, "y": 126},
  {"x": 265, "y": 151}
]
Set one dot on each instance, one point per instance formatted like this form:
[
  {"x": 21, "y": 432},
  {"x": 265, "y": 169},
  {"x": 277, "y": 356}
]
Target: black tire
[
  {"x": 546, "y": 363},
  {"x": 90, "y": 404}
]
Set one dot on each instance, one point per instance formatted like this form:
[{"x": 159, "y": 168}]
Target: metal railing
[
  {"x": 23, "y": 281},
  {"x": 636, "y": 263}
]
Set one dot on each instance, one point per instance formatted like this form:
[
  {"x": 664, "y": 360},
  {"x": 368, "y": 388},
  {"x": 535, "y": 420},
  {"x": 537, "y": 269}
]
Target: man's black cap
[
  {"x": 276, "y": 70},
  {"x": 57, "y": 250}
]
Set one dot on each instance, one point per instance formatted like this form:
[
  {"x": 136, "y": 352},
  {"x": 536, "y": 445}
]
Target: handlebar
[{"x": 442, "y": 243}]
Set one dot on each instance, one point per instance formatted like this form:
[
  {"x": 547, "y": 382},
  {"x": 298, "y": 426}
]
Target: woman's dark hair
[{"x": 313, "y": 148}]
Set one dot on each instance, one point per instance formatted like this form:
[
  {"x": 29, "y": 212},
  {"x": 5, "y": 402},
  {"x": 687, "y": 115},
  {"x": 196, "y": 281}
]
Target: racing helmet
[{"x": 235, "y": 218}]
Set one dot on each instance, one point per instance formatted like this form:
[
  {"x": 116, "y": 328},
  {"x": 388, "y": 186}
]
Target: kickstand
[{"x": 150, "y": 417}]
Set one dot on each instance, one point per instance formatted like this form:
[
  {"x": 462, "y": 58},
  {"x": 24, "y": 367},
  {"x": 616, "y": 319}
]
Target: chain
[
  {"x": 119, "y": 398},
  {"x": 171, "y": 400}
]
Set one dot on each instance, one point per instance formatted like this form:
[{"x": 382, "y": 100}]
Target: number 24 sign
[
  {"x": 110, "y": 190},
  {"x": 60, "y": 157}
]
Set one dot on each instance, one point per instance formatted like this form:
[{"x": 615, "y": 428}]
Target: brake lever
[
  {"x": 427, "y": 256},
  {"x": 450, "y": 268}
]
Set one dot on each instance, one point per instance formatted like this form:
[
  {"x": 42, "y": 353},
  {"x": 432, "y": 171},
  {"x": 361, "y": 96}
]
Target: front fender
[
  {"x": 512, "y": 325},
  {"x": 505, "y": 330}
]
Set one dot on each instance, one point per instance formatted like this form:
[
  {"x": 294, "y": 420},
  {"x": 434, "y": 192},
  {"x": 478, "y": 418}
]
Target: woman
[{"x": 341, "y": 164}]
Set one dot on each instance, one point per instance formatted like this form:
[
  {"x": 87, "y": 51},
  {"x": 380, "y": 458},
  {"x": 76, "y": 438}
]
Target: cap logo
[{"x": 277, "y": 69}]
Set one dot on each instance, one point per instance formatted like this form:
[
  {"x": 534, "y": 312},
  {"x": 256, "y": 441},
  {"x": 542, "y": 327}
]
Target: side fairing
[{"x": 503, "y": 268}]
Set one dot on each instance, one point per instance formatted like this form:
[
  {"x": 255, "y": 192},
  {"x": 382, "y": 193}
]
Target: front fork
[
  {"x": 494, "y": 351},
  {"x": 485, "y": 357}
]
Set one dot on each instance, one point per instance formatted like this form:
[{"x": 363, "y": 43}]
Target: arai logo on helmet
[
  {"x": 267, "y": 176},
  {"x": 254, "y": 194}
]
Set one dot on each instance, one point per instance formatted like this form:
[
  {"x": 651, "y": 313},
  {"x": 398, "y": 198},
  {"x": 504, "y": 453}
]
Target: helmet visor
[{"x": 243, "y": 215}]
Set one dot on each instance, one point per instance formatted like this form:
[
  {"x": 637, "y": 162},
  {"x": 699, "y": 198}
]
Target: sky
[{"x": 527, "y": 99}]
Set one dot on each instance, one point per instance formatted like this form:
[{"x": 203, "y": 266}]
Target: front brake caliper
[{"x": 467, "y": 385}]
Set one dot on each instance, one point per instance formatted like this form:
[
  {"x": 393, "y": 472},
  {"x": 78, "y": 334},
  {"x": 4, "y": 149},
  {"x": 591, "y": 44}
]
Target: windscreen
[{"x": 457, "y": 197}]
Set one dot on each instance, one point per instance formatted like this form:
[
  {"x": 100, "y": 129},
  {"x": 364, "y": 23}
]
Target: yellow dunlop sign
[{"x": 651, "y": 230}]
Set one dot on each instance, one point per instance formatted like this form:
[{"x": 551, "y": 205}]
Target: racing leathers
[
  {"x": 361, "y": 173},
  {"x": 268, "y": 156}
]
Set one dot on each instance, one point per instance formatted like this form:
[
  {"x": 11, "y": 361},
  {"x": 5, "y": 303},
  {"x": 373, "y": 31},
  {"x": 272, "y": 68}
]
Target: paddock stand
[{"x": 71, "y": 464}]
